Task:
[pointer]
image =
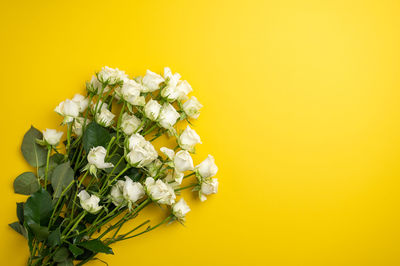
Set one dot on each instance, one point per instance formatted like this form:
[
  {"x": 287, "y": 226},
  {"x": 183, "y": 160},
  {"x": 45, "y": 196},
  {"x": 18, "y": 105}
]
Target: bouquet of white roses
[{"x": 81, "y": 196}]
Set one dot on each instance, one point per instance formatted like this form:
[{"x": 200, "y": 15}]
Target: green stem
[
  {"x": 149, "y": 229},
  {"x": 189, "y": 186},
  {"x": 47, "y": 166}
]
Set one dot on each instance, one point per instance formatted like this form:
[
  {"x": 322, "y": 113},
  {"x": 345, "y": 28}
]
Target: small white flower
[
  {"x": 175, "y": 177},
  {"x": 96, "y": 159},
  {"x": 116, "y": 193},
  {"x": 188, "y": 139},
  {"x": 207, "y": 168},
  {"x": 168, "y": 116},
  {"x": 132, "y": 191},
  {"x": 208, "y": 187},
  {"x": 168, "y": 152},
  {"x": 175, "y": 88},
  {"x": 141, "y": 152},
  {"x": 111, "y": 76},
  {"x": 152, "y": 110},
  {"x": 180, "y": 209},
  {"x": 192, "y": 107},
  {"x": 68, "y": 109},
  {"x": 172, "y": 79},
  {"x": 130, "y": 124},
  {"x": 151, "y": 81},
  {"x": 89, "y": 202},
  {"x": 81, "y": 101},
  {"x": 94, "y": 86},
  {"x": 159, "y": 191},
  {"x": 52, "y": 136},
  {"x": 183, "y": 161},
  {"x": 77, "y": 126},
  {"x": 105, "y": 117},
  {"x": 130, "y": 92}
]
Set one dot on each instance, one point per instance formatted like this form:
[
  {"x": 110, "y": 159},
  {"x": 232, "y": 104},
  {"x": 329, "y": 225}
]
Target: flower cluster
[{"x": 110, "y": 165}]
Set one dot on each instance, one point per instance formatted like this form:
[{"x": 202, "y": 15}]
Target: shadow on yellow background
[{"x": 301, "y": 113}]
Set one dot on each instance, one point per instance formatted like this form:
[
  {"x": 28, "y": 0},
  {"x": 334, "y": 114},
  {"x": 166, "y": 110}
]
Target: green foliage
[
  {"x": 75, "y": 250},
  {"x": 33, "y": 153},
  {"x": 61, "y": 255},
  {"x": 61, "y": 177},
  {"x": 26, "y": 184},
  {"x": 54, "y": 238},
  {"x": 96, "y": 246},
  {"x": 19, "y": 229},
  {"x": 95, "y": 135},
  {"x": 55, "y": 160}
]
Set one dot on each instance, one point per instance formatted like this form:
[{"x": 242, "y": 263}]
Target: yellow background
[{"x": 301, "y": 113}]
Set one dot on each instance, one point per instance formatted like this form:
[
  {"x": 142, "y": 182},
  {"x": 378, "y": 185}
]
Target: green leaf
[
  {"x": 55, "y": 160},
  {"x": 95, "y": 135},
  {"x": 62, "y": 176},
  {"x": 54, "y": 238},
  {"x": 19, "y": 229},
  {"x": 96, "y": 245},
  {"x": 67, "y": 262},
  {"x": 114, "y": 160},
  {"x": 61, "y": 255},
  {"x": 26, "y": 184},
  {"x": 41, "y": 232},
  {"x": 20, "y": 212},
  {"x": 38, "y": 208},
  {"x": 33, "y": 153},
  {"x": 75, "y": 250}
]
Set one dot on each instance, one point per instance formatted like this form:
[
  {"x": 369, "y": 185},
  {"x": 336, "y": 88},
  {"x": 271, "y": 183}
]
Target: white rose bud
[
  {"x": 168, "y": 116},
  {"x": 130, "y": 124},
  {"x": 142, "y": 152},
  {"x": 89, "y": 202},
  {"x": 180, "y": 209},
  {"x": 130, "y": 92},
  {"x": 96, "y": 159},
  {"x": 112, "y": 76},
  {"x": 208, "y": 187},
  {"x": 207, "y": 168},
  {"x": 192, "y": 107},
  {"x": 94, "y": 86},
  {"x": 116, "y": 193},
  {"x": 68, "y": 109},
  {"x": 152, "y": 110},
  {"x": 151, "y": 81},
  {"x": 132, "y": 191},
  {"x": 188, "y": 139},
  {"x": 52, "y": 136},
  {"x": 77, "y": 126},
  {"x": 172, "y": 93},
  {"x": 105, "y": 117},
  {"x": 81, "y": 101},
  {"x": 159, "y": 191},
  {"x": 168, "y": 152},
  {"x": 183, "y": 161}
]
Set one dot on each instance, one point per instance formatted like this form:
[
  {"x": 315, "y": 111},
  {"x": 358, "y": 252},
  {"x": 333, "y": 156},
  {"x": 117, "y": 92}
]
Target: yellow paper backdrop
[{"x": 301, "y": 113}]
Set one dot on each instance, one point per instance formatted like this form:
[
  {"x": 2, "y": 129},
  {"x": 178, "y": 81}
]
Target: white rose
[
  {"x": 141, "y": 152},
  {"x": 52, "y": 136},
  {"x": 116, "y": 193},
  {"x": 174, "y": 178},
  {"x": 94, "y": 106},
  {"x": 188, "y": 139},
  {"x": 159, "y": 191},
  {"x": 207, "y": 168},
  {"x": 132, "y": 191},
  {"x": 111, "y": 76},
  {"x": 180, "y": 209},
  {"x": 172, "y": 79},
  {"x": 81, "y": 101},
  {"x": 151, "y": 81},
  {"x": 172, "y": 93},
  {"x": 192, "y": 107},
  {"x": 77, "y": 126},
  {"x": 183, "y": 161},
  {"x": 168, "y": 152},
  {"x": 168, "y": 116},
  {"x": 154, "y": 168},
  {"x": 152, "y": 110},
  {"x": 68, "y": 109},
  {"x": 130, "y": 124},
  {"x": 94, "y": 85},
  {"x": 89, "y": 202},
  {"x": 130, "y": 91},
  {"x": 105, "y": 117},
  {"x": 208, "y": 187},
  {"x": 96, "y": 158}
]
